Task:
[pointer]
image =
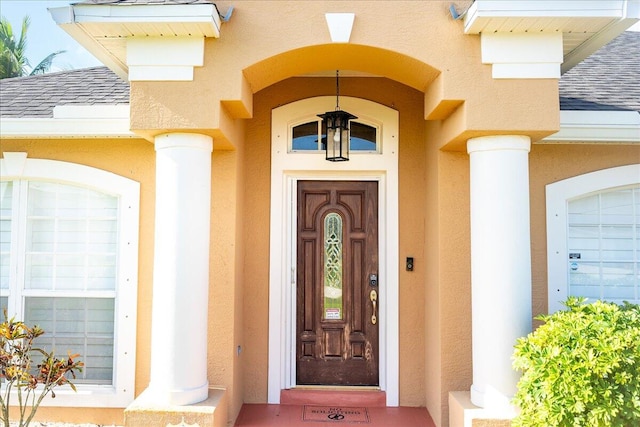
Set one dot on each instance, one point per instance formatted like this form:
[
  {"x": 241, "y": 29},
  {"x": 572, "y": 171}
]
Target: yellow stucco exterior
[{"x": 412, "y": 57}]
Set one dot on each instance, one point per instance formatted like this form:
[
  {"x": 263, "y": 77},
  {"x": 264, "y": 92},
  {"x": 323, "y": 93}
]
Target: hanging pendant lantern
[{"x": 336, "y": 130}]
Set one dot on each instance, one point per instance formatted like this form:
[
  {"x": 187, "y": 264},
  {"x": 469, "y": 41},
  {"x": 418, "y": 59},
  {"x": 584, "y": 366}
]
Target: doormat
[{"x": 335, "y": 414}]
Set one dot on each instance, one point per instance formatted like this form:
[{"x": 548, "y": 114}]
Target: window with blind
[
  {"x": 603, "y": 245},
  {"x": 65, "y": 265},
  {"x": 593, "y": 237}
]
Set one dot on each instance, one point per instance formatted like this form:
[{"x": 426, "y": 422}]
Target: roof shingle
[
  {"x": 35, "y": 96},
  {"x": 607, "y": 80}
]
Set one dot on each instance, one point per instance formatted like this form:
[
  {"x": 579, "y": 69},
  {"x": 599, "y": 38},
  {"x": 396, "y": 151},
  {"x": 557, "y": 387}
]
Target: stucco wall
[{"x": 225, "y": 288}]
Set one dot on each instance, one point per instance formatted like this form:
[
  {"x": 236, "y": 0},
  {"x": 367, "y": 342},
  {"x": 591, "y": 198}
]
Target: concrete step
[{"x": 350, "y": 396}]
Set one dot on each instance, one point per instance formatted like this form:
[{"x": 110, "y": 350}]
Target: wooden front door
[{"x": 337, "y": 283}]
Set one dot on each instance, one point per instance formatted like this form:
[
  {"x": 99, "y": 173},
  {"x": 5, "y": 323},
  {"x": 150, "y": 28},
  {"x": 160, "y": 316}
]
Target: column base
[
  {"x": 146, "y": 411},
  {"x": 463, "y": 413},
  {"x": 489, "y": 397}
]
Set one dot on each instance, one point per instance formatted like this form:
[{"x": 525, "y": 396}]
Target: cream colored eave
[
  {"x": 586, "y": 25},
  {"x": 103, "y": 29},
  {"x": 72, "y": 122}
]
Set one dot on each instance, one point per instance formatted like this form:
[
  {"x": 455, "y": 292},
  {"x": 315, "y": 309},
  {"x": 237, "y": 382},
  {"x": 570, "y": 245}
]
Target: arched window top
[
  {"x": 309, "y": 137},
  {"x": 297, "y": 134}
]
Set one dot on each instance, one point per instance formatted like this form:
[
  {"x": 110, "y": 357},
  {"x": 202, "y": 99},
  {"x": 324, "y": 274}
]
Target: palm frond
[
  {"x": 45, "y": 65},
  {"x": 13, "y": 61}
]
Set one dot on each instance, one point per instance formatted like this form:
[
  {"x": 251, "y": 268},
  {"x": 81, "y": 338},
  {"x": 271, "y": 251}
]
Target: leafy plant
[
  {"x": 18, "y": 374},
  {"x": 581, "y": 367},
  {"x": 13, "y": 59}
]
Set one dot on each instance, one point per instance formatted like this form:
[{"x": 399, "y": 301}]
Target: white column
[
  {"x": 500, "y": 263},
  {"x": 181, "y": 269}
]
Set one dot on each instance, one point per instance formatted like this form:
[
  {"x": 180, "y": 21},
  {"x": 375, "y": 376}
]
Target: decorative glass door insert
[{"x": 332, "y": 267}]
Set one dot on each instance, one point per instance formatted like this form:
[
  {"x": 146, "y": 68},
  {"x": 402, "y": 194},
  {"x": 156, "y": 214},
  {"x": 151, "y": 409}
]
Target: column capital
[
  {"x": 499, "y": 143},
  {"x": 184, "y": 140}
]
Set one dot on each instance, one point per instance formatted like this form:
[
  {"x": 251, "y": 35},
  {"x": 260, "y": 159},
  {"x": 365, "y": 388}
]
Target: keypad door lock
[{"x": 373, "y": 280}]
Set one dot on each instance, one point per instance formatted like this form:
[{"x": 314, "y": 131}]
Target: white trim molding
[
  {"x": 522, "y": 55},
  {"x": 597, "y": 127},
  {"x": 289, "y": 167},
  {"x": 72, "y": 121},
  {"x": 180, "y": 55},
  {"x": 558, "y": 194}
]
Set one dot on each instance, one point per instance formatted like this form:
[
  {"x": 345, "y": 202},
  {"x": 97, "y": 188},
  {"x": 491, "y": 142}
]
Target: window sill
[{"x": 86, "y": 396}]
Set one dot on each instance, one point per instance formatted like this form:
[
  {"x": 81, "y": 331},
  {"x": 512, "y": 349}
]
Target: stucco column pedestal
[
  {"x": 181, "y": 269},
  {"x": 146, "y": 412},
  {"x": 500, "y": 271}
]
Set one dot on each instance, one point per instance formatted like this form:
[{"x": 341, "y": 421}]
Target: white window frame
[
  {"x": 119, "y": 394},
  {"x": 558, "y": 195}
]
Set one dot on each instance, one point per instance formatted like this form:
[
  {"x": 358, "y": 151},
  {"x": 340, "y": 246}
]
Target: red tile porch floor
[
  {"x": 263, "y": 415},
  {"x": 371, "y": 413}
]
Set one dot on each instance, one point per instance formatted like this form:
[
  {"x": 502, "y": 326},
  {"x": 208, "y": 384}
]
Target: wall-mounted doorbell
[{"x": 409, "y": 263}]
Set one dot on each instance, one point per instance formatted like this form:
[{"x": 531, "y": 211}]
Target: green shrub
[{"x": 581, "y": 367}]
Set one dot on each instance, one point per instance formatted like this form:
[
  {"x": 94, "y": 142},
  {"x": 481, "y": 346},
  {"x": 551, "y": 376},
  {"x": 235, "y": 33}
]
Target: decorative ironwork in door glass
[{"x": 332, "y": 309}]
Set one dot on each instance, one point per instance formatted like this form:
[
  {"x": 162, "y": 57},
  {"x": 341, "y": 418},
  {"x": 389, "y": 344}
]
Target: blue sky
[{"x": 45, "y": 37}]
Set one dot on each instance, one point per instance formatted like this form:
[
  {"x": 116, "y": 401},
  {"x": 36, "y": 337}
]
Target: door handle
[{"x": 373, "y": 296}]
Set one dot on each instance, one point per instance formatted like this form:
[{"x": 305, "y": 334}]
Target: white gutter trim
[
  {"x": 630, "y": 15},
  {"x": 73, "y": 122},
  {"x": 206, "y": 14},
  {"x": 201, "y": 18},
  {"x": 579, "y": 9},
  {"x": 589, "y": 127}
]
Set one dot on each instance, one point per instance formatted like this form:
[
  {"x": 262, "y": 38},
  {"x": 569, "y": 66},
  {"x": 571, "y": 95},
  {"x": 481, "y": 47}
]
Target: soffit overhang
[
  {"x": 586, "y": 25},
  {"x": 103, "y": 29}
]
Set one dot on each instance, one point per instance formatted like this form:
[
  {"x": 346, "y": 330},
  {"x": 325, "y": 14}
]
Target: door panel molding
[
  {"x": 341, "y": 349},
  {"x": 286, "y": 170}
]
